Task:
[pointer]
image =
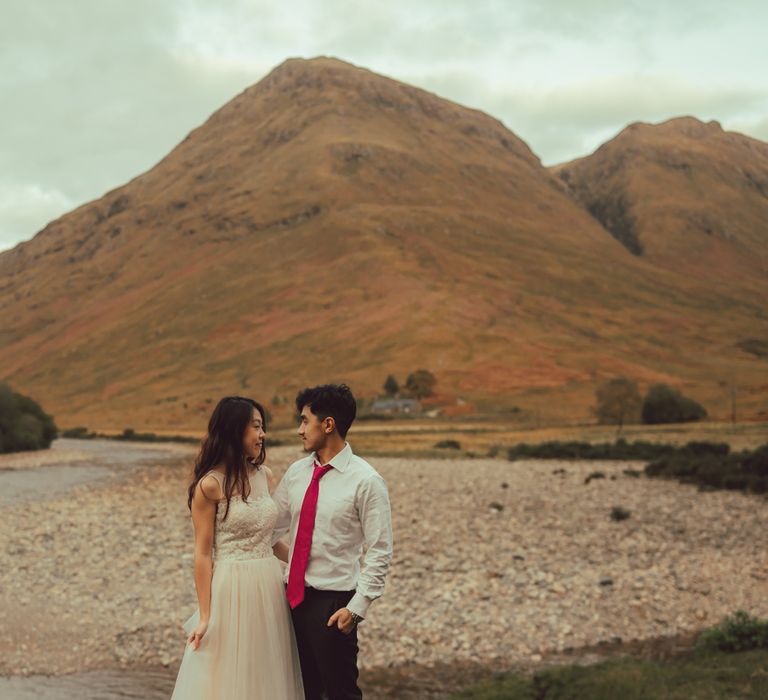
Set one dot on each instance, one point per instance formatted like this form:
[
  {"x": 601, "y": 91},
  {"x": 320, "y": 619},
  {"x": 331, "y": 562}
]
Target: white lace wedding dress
[{"x": 249, "y": 650}]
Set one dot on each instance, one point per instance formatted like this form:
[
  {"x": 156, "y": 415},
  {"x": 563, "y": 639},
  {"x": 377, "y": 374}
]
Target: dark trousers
[{"x": 328, "y": 656}]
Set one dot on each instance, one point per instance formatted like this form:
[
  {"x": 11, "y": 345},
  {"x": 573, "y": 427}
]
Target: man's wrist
[
  {"x": 356, "y": 619},
  {"x": 359, "y": 604}
]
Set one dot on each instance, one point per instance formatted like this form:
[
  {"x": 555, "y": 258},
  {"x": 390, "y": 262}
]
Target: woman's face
[{"x": 254, "y": 435}]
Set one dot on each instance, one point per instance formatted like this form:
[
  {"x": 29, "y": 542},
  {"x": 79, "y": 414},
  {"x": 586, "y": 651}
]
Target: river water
[
  {"x": 72, "y": 462},
  {"x": 94, "y": 685}
]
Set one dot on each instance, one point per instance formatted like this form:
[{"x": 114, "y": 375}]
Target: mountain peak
[
  {"x": 685, "y": 126},
  {"x": 646, "y": 186}
]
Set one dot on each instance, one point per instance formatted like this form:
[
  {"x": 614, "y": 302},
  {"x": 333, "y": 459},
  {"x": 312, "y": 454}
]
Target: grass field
[
  {"x": 697, "y": 676},
  {"x": 417, "y": 438}
]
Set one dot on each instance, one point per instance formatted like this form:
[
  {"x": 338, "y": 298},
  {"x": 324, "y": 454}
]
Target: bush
[
  {"x": 23, "y": 423},
  {"x": 663, "y": 404},
  {"x": 448, "y": 444},
  {"x": 131, "y": 435},
  {"x": 621, "y": 449},
  {"x": 618, "y": 513},
  {"x": 716, "y": 468},
  {"x": 738, "y": 632},
  {"x": 420, "y": 384},
  {"x": 81, "y": 433}
]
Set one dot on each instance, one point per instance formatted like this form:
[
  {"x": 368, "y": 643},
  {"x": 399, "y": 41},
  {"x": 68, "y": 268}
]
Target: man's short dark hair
[{"x": 334, "y": 400}]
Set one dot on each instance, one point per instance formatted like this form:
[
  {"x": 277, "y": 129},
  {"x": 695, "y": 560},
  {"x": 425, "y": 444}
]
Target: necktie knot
[{"x": 320, "y": 472}]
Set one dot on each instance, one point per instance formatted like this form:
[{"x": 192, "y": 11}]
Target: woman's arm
[
  {"x": 204, "y": 503},
  {"x": 280, "y": 548}
]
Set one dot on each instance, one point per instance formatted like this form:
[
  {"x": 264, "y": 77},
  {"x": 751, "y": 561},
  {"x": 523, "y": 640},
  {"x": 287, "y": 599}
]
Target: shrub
[
  {"x": 81, "y": 433},
  {"x": 663, "y": 404},
  {"x": 131, "y": 435},
  {"x": 23, "y": 423},
  {"x": 738, "y": 632},
  {"x": 448, "y": 444},
  {"x": 420, "y": 383},
  {"x": 756, "y": 462},
  {"x": 718, "y": 449},
  {"x": 744, "y": 471},
  {"x": 618, "y": 513},
  {"x": 621, "y": 449}
]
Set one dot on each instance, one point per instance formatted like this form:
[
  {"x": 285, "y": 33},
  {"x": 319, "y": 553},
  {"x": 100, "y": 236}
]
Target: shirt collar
[{"x": 340, "y": 461}]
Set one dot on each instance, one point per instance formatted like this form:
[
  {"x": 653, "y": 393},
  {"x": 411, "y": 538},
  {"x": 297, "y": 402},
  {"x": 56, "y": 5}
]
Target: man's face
[{"x": 311, "y": 430}]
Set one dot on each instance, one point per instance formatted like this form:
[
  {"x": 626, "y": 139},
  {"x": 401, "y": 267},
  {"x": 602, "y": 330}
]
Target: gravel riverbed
[{"x": 496, "y": 563}]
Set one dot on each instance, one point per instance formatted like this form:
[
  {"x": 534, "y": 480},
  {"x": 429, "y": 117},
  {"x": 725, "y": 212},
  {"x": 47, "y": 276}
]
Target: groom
[{"x": 333, "y": 503}]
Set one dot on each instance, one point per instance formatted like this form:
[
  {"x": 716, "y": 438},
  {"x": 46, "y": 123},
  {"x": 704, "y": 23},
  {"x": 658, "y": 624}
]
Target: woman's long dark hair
[{"x": 223, "y": 445}]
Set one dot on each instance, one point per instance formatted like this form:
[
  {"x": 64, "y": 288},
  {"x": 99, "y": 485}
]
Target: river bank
[{"x": 497, "y": 565}]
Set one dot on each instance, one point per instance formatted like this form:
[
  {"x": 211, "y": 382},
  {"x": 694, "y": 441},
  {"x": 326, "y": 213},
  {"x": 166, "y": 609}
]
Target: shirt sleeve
[
  {"x": 376, "y": 520},
  {"x": 281, "y": 497}
]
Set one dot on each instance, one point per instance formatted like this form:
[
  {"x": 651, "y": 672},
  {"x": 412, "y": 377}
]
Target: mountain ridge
[{"x": 330, "y": 223}]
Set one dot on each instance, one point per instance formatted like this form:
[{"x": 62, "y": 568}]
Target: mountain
[
  {"x": 684, "y": 194},
  {"x": 332, "y": 224}
]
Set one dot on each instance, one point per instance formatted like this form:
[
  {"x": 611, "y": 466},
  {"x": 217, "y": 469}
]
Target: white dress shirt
[{"x": 352, "y": 511}]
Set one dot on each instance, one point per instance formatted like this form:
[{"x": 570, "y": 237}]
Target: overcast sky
[{"x": 94, "y": 92}]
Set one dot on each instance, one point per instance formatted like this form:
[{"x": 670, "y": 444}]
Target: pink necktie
[{"x": 303, "y": 543}]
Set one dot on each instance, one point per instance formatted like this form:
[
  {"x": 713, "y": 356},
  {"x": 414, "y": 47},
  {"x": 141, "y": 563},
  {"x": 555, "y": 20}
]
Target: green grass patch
[
  {"x": 701, "y": 676},
  {"x": 729, "y": 661},
  {"x": 738, "y": 632}
]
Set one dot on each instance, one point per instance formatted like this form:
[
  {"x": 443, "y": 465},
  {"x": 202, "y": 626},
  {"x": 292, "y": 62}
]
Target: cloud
[
  {"x": 757, "y": 128},
  {"x": 21, "y": 205},
  {"x": 97, "y": 91}
]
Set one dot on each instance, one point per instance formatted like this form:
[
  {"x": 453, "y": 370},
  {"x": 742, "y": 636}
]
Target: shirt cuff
[{"x": 359, "y": 604}]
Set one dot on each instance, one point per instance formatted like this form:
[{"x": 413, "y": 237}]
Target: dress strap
[
  {"x": 259, "y": 483},
  {"x": 218, "y": 476}
]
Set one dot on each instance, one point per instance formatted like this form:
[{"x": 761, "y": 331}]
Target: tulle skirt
[{"x": 249, "y": 650}]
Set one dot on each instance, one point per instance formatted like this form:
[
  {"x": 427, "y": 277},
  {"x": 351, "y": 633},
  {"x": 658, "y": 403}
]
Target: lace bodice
[{"x": 247, "y": 531}]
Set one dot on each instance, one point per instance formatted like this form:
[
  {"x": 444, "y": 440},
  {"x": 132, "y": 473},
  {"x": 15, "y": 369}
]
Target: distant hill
[
  {"x": 685, "y": 195},
  {"x": 333, "y": 224}
]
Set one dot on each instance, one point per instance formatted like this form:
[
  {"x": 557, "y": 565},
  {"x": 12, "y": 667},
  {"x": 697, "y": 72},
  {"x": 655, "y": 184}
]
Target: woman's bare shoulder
[{"x": 210, "y": 486}]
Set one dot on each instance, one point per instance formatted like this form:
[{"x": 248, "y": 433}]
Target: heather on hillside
[
  {"x": 434, "y": 238},
  {"x": 24, "y": 425}
]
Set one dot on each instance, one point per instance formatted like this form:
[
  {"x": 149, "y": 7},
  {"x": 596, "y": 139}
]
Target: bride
[{"x": 240, "y": 643}]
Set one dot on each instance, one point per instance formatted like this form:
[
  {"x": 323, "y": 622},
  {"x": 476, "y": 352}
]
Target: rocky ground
[{"x": 496, "y": 564}]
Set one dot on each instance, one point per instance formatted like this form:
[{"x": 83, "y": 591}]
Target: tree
[
  {"x": 391, "y": 387},
  {"x": 663, "y": 404},
  {"x": 618, "y": 402},
  {"x": 23, "y": 423},
  {"x": 420, "y": 383}
]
